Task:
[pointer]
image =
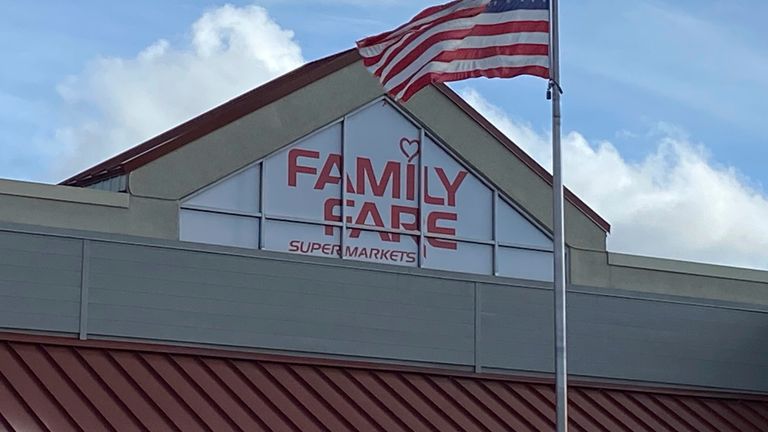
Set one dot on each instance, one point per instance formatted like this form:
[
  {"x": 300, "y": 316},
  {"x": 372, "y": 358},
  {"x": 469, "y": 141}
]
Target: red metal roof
[
  {"x": 266, "y": 94},
  {"x": 61, "y": 384}
]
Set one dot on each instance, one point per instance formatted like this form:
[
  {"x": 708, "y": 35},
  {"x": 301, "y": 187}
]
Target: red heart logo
[{"x": 410, "y": 148}]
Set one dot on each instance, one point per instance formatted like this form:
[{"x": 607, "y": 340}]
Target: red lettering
[
  {"x": 304, "y": 247},
  {"x": 350, "y": 185},
  {"x": 369, "y": 208},
  {"x": 410, "y": 182},
  {"x": 397, "y": 223},
  {"x": 433, "y": 228},
  {"x": 293, "y": 164},
  {"x": 326, "y": 176},
  {"x": 351, "y": 251},
  {"x": 428, "y": 199},
  {"x": 329, "y": 206},
  {"x": 451, "y": 187},
  {"x": 391, "y": 174},
  {"x": 293, "y": 246}
]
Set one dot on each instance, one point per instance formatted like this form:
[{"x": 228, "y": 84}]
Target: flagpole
[{"x": 561, "y": 371}]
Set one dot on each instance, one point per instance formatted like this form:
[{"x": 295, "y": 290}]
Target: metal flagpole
[{"x": 561, "y": 371}]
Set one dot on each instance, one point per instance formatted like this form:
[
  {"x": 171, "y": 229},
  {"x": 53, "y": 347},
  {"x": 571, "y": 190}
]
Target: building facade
[{"x": 315, "y": 256}]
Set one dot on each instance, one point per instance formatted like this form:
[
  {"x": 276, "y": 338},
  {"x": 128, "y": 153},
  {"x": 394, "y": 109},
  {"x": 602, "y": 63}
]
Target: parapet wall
[
  {"x": 87, "y": 209},
  {"x": 668, "y": 277}
]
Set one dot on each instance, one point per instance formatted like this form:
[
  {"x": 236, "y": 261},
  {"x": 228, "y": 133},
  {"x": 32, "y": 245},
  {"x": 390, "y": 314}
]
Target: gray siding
[
  {"x": 627, "y": 338},
  {"x": 149, "y": 292},
  {"x": 177, "y": 292},
  {"x": 516, "y": 328},
  {"x": 39, "y": 282}
]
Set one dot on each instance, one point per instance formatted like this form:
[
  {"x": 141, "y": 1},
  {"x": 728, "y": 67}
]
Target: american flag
[{"x": 459, "y": 40}]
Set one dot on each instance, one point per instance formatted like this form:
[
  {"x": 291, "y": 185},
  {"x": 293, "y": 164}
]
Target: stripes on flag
[{"x": 459, "y": 40}]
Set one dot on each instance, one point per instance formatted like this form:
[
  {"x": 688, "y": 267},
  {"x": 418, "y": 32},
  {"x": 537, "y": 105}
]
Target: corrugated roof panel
[{"x": 61, "y": 384}]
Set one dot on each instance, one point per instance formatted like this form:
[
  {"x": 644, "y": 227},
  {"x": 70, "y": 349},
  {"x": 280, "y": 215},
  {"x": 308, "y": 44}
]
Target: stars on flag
[{"x": 508, "y": 5}]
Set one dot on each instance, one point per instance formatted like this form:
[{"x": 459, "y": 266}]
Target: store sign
[
  {"x": 293, "y": 202},
  {"x": 381, "y": 201}
]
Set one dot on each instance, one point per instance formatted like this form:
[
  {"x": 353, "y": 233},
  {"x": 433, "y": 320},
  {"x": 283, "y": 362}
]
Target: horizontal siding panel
[
  {"x": 37, "y": 272},
  {"x": 201, "y": 297},
  {"x": 25, "y": 320},
  {"x": 616, "y": 311},
  {"x": 40, "y": 306},
  {"x": 321, "y": 297},
  {"x": 52, "y": 261},
  {"x": 212, "y": 285},
  {"x": 27, "y": 289},
  {"x": 277, "y": 334},
  {"x": 36, "y": 243},
  {"x": 695, "y": 345},
  {"x": 626, "y": 338},
  {"x": 516, "y": 328},
  {"x": 172, "y": 260},
  {"x": 39, "y": 282},
  {"x": 370, "y": 317},
  {"x": 668, "y": 342},
  {"x": 365, "y": 347}
]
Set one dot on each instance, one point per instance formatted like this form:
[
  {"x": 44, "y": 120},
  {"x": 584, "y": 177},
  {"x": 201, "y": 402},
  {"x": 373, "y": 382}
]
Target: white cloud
[
  {"x": 675, "y": 203},
  {"x": 117, "y": 103}
]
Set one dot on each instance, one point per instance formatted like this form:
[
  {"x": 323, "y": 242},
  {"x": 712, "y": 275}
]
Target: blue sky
[
  {"x": 638, "y": 75},
  {"x": 626, "y": 65}
]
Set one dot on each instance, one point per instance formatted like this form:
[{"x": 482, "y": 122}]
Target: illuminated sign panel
[{"x": 371, "y": 187}]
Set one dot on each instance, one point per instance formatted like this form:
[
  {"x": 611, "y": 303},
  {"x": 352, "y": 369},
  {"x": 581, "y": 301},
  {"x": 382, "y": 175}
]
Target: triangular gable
[
  {"x": 210, "y": 147},
  {"x": 401, "y": 188},
  {"x": 192, "y": 130}
]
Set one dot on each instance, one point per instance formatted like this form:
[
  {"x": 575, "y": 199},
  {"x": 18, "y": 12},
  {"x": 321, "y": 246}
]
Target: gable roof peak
[{"x": 268, "y": 93}]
